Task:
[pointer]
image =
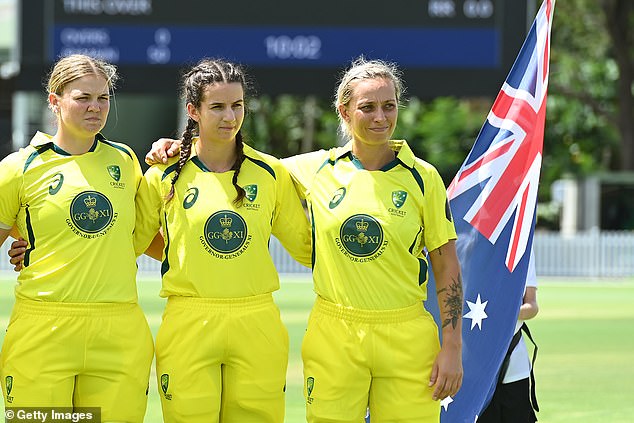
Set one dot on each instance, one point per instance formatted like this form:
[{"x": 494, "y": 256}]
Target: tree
[
  {"x": 619, "y": 17},
  {"x": 590, "y": 108}
]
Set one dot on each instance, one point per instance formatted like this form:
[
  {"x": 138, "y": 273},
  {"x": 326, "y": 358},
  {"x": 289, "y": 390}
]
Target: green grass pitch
[{"x": 585, "y": 333}]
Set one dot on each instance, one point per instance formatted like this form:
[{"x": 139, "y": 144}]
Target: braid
[
  {"x": 208, "y": 72},
  {"x": 186, "y": 149},
  {"x": 241, "y": 193}
]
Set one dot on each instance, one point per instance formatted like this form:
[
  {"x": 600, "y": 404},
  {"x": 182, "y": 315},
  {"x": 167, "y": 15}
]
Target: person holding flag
[{"x": 514, "y": 399}]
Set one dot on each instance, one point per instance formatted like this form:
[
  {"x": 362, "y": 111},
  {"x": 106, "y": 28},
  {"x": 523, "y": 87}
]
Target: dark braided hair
[
  {"x": 236, "y": 167},
  {"x": 205, "y": 73}
]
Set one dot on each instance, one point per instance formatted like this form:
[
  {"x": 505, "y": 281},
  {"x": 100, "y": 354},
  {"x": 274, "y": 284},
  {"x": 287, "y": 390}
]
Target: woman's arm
[
  {"x": 447, "y": 371},
  {"x": 155, "y": 250},
  {"x": 529, "y": 307}
]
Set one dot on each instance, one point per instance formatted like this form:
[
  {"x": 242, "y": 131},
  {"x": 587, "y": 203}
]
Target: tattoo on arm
[{"x": 453, "y": 302}]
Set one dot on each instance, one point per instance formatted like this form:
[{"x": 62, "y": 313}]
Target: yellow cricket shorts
[
  {"x": 354, "y": 359},
  {"x": 78, "y": 355},
  {"x": 222, "y": 360}
]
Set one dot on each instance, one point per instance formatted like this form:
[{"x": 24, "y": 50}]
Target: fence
[{"x": 591, "y": 254}]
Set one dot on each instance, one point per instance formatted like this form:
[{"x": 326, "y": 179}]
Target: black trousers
[{"x": 510, "y": 404}]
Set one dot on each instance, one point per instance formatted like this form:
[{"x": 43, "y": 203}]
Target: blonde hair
[
  {"x": 75, "y": 66},
  {"x": 361, "y": 69}
]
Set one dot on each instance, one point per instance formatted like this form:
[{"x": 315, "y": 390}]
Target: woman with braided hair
[
  {"x": 222, "y": 349},
  {"x": 379, "y": 216}
]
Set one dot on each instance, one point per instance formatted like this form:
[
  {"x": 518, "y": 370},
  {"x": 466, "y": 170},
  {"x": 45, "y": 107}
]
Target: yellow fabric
[
  {"x": 77, "y": 212},
  {"x": 372, "y": 228},
  {"x": 222, "y": 360},
  {"x": 203, "y": 229},
  {"x": 81, "y": 355},
  {"x": 380, "y": 359}
]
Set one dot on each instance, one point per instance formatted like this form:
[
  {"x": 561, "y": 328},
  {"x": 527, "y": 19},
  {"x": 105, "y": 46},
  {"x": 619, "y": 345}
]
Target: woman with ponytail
[{"x": 222, "y": 349}]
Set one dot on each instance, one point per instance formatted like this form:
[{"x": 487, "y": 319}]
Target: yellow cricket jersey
[
  {"x": 77, "y": 213},
  {"x": 214, "y": 249},
  {"x": 370, "y": 228}
]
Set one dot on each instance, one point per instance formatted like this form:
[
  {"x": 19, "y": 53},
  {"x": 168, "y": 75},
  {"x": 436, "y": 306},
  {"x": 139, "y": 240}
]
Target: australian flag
[{"x": 493, "y": 199}]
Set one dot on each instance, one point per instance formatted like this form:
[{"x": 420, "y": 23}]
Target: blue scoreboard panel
[{"x": 445, "y": 47}]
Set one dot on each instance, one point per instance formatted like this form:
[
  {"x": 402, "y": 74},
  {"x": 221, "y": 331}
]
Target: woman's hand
[
  {"x": 162, "y": 149},
  {"x": 16, "y": 253}
]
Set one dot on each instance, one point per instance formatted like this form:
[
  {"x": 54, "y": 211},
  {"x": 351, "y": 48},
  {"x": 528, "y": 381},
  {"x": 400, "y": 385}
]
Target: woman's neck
[
  {"x": 73, "y": 144},
  {"x": 218, "y": 157},
  {"x": 373, "y": 157}
]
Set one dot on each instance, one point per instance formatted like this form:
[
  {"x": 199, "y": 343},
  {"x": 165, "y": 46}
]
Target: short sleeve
[
  {"x": 10, "y": 185},
  {"x": 437, "y": 219},
  {"x": 149, "y": 203},
  {"x": 303, "y": 168},
  {"x": 290, "y": 214}
]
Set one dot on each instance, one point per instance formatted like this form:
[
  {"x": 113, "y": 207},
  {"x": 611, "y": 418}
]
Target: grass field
[{"x": 585, "y": 333}]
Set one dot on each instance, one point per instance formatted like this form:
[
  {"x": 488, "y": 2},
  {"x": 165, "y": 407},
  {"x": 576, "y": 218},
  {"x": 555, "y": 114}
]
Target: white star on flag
[
  {"x": 476, "y": 312},
  {"x": 445, "y": 403}
]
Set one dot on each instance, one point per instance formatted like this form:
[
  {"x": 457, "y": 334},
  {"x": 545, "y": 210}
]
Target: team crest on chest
[
  {"x": 398, "y": 198},
  {"x": 251, "y": 192},
  {"x": 115, "y": 173},
  {"x": 225, "y": 234},
  {"x": 91, "y": 214},
  {"x": 361, "y": 238}
]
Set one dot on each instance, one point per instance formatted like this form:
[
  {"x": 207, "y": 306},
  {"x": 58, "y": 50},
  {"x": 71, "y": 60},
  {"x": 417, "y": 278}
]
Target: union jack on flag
[{"x": 493, "y": 199}]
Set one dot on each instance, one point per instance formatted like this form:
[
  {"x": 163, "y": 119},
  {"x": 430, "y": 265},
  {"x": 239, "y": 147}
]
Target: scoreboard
[{"x": 445, "y": 47}]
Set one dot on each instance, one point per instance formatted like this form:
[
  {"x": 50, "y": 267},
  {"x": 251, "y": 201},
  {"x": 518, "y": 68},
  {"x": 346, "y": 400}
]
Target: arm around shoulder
[{"x": 291, "y": 225}]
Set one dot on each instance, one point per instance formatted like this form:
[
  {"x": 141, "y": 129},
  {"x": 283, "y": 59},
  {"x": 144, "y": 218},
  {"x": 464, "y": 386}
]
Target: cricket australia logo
[
  {"x": 251, "y": 192},
  {"x": 8, "y": 382},
  {"x": 361, "y": 235},
  {"x": 225, "y": 232},
  {"x": 398, "y": 198},
  {"x": 115, "y": 172},
  {"x": 310, "y": 384},
  {"x": 91, "y": 212},
  {"x": 165, "y": 383}
]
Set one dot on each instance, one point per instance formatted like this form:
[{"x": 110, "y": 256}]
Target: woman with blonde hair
[
  {"x": 379, "y": 215},
  {"x": 76, "y": 337}
]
